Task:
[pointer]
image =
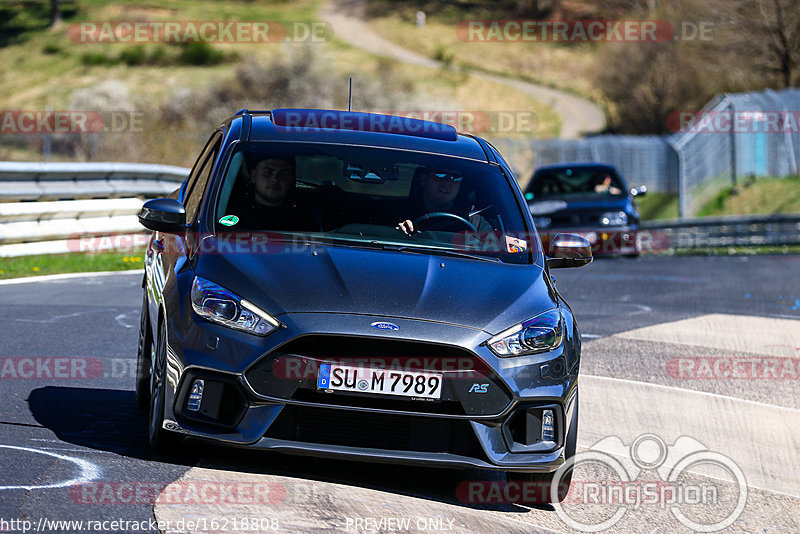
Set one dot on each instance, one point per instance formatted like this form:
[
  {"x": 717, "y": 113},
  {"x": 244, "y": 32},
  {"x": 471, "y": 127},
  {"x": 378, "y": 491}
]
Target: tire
[
  {"x": 544, "y": 481},
  {"x": 159, "y": 438},
  {"x": 144, "y": 357}
]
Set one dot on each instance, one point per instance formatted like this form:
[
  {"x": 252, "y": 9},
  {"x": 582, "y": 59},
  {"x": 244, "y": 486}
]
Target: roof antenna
[{"x": 350, "y": 100}]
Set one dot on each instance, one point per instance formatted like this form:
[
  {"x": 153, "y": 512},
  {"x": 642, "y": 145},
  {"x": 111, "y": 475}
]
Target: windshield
[
  {"x": 373, "y": 197},
  {"x": 574, "y": 181}
]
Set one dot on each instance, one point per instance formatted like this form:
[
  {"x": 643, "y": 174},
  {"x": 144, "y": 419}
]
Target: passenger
[{"x": 272, "y": 203}]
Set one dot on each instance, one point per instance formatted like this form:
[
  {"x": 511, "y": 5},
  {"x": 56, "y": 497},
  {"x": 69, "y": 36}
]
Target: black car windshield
[
  {"x": 373, "y": 197},
  {"x": 574, "y": 181}
]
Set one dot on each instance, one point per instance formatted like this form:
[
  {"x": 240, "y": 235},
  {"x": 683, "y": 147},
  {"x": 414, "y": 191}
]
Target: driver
[{"x": 440, "y": 189}]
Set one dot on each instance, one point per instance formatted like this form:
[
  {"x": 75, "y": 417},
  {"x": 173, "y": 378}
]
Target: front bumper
[{"x": 256, "y": 404}]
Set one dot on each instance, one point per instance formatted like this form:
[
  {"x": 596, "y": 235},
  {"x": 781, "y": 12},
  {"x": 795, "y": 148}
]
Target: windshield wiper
[
  {"x": 373, "y": 244},
  {"x": 439, "y": 251}
]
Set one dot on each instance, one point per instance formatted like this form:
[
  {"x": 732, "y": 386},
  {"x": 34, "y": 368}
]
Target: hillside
[{"x": 179, "y": 91}]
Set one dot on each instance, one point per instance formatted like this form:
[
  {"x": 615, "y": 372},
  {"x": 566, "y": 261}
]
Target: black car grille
[
  {"x": 575, "y": 219},
  {"x": 290, "y": 373},
  {"x": 351, "y": 428}
]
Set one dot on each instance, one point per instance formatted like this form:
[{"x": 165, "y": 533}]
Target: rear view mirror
[
  {"x": 371, "y": 176},
  {"x": 569, "y": 250},
  {"x": 163, "y": 215}
]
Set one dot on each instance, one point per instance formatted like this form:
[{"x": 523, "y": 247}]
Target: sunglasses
[{"x": 448, "y": 176}]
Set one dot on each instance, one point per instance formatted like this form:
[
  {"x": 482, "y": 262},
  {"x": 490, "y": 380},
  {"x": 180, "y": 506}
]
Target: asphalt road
[{"x": 72, "y": 438}]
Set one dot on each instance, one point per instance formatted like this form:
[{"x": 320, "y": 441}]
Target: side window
[{"x": 198, "y": 181}]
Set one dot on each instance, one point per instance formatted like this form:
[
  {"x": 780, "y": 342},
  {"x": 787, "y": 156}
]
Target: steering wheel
[{"x": 443, "y": 215}]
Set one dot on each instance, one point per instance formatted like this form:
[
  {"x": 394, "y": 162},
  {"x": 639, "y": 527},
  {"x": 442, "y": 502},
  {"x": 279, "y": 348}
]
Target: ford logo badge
[{"x": 380, "y": 325}]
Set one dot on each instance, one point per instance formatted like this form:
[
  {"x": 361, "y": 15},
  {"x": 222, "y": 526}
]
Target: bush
[
  {"x": 200, "y": 53},
  {"x": 51, "y": 48},
  {"x": 97, "y": 58},
  {"x": 133, "y": 56}
]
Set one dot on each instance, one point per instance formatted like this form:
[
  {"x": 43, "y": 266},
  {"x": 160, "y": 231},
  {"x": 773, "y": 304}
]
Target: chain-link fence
[{"x": 734, "y": 136}]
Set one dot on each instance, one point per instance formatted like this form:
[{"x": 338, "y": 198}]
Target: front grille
[
  {"x": 582, "y": 219},
  {"x": 350, "y": 428},
  {"x": 290, "y": 373}
]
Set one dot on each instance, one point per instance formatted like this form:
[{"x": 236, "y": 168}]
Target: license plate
[{"x": 417, "y": 384}]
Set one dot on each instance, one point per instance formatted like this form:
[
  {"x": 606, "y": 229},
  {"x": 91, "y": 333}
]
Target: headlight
[
  {"x": 220, "y": 306},
  {"x": 614, "y": 218},
  {"x": 539, "y": 334}
]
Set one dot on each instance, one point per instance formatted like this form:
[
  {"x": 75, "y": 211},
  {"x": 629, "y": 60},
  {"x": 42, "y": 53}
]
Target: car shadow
[
  {"x": 109, "y": 420},
  {"x": 101, "y": 419}
]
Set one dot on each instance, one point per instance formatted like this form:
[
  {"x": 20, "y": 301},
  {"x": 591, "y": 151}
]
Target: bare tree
[{"x": 768, "y": 33}]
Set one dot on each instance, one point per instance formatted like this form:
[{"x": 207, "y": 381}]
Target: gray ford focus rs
[{"x": 361, "y": 286}]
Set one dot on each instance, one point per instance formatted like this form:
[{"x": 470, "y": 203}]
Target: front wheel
[
  {"x": 144, "y": 357},
  {"x": 159, "y": 438}
]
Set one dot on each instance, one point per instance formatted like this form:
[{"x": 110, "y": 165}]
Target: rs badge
[{"x": 479, "y": 388}]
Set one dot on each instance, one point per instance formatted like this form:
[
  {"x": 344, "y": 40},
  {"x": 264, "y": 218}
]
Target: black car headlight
[
  {"x": 218, "y": 305},
  {"x": 539, "y": 334}
]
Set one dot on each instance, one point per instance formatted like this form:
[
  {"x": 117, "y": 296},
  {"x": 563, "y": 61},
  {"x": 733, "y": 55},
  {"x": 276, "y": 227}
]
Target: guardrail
[
  {"x": 729, "y": 231},
  {"x": 44, "y": 206},
  {"x": 59, "y": 181},
  {"x": 104, "y": 199}
]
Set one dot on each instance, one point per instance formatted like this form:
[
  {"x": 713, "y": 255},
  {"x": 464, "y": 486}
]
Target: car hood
[
  {"x": 552, "y": 205},
  {"x": 331, "y": 279}
]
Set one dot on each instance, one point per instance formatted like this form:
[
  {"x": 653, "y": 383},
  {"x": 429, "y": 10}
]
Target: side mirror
[
  {"x": 163, "y": 215},
  {"x": 640, "y": 192},
  {"x": 569, "y": 250}
]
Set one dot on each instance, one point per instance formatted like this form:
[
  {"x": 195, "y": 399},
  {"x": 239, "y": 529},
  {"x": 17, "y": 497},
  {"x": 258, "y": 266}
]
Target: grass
[
  {"x": 23, "y": 266},
  {"x": 756, "y": 196},
  {"x": 654, "y": 206},
  {"x": 736, "y": 251},
  {"x": 566, "y": 67},
  {"x": 51, "y": 77}
]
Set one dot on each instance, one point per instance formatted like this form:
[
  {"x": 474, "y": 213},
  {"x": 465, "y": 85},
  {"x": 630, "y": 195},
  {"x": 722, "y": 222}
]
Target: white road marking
[
  {"x": 744, "y": 333},
  {"x": 89, "y": 470},
  {"x": 121, "y": 319},
  {"x": 55, "y": 318},
  {"x": 761, "y": 438},
  {"x": 65, "y": 276}
]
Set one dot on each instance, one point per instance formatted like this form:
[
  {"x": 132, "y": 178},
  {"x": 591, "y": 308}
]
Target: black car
[
  {"x": 589, "y": 199},
  {"x": 359, "y": 286}
]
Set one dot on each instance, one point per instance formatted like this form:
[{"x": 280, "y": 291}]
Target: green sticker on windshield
[{"x": 229, "y": 220}]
